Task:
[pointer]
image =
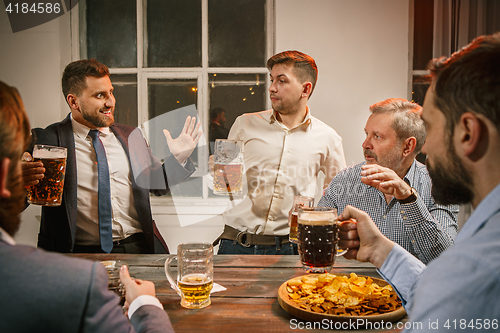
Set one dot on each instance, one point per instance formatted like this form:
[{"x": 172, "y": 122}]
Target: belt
[
  {"x": 248, "y": 239},
  {"x": 138, "y": 237}
]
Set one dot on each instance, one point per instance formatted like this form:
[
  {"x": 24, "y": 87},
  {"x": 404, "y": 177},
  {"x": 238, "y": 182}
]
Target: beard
[
  {"x": 452, "y": 183},
  {"x": 11, "y": 207},
  {"x": 96, "y": 118},
  {"x": 392, "y": 160}
]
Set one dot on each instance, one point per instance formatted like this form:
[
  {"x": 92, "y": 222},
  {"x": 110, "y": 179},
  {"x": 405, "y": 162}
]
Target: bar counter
[{"x": 250, "y": 302}]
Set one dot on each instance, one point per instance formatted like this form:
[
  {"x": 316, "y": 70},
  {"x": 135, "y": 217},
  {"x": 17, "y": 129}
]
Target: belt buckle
[{"x": 239, "y": 237}]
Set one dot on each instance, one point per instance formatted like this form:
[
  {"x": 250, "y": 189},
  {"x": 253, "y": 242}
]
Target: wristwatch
[{"x": 411, "y": 198}]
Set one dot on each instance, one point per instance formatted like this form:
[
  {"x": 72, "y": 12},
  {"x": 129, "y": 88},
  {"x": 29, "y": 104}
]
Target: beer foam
[
  {"x": 317, "y": 219},
  {"x": 53, "y": 153}
]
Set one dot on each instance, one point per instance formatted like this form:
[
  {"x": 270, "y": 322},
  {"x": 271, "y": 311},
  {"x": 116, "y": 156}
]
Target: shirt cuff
[{"x": 143, "y": 300}]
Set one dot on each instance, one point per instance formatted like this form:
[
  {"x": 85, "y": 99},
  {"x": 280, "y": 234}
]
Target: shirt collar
[
  {"x": 410, "y": 175},
  {"x": 483, "y": 212},
  {"x": 6, "y": 237},
  {"x": 82, "y": 131},
  {"x": 307, "y": 119}
]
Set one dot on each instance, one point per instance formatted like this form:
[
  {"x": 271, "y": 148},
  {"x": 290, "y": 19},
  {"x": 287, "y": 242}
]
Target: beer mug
[
  {"x": 228, "y": 167},
  {"x": 298, "y": 201},
  {"x": 49, "y": 190},
  {"x": 194, "y": 274},
  {"x": 317, "y": 233}
]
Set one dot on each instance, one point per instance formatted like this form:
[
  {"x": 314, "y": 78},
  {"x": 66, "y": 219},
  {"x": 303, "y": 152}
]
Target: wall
[{"x": 361, "y": 48}]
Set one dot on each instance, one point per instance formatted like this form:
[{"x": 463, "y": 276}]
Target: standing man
[
  {"x": 459, "y": 289},
  {"x": 110, "y": 211},
  {"x": 284, "y": 151},
  {"x": 394, "y": 188},
  {"x": 49, "y": 292}
]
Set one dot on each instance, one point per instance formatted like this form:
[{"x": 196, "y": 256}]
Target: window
[{"x": 173, "y": 58}]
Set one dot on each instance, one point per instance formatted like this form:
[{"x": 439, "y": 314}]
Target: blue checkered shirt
[{"x": 423, "y": 228}]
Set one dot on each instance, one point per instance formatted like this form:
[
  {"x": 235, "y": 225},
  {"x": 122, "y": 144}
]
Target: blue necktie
[{"x": 103, "y": 194}]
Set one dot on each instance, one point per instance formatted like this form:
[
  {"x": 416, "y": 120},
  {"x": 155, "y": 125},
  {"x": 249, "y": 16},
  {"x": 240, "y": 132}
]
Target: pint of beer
[
  {"x": 49, "y": 190},
  {"x": 298, "y": 201},
  {"x": 194, "y": 274},
  {"x": 228, "y": 167},
  {"x": 317, "y": 233}
]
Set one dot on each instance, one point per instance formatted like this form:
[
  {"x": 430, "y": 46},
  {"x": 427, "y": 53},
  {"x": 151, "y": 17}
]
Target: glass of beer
[
  {"x": 317, "y": 233},
  {"x": 298, "y": 201},
  {"x": 49, "y": 190},
  {"x": 228, "y": 167},
  {"x": 114, "y": 282},
  {"x": 194, "y": 274}
]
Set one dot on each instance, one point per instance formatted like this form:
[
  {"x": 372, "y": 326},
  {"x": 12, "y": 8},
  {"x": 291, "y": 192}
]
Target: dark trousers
[
  {"x": 233, "y": 247},
  {"x": 133, "y": 244}
]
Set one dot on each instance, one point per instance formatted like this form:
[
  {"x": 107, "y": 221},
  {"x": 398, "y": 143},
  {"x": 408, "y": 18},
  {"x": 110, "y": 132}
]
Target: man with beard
[
  {"x": 394, "y": 188},
  {"x": 109, "y": 173},
  {"x": 458, "y": 290},
  {"x": 284, "y": 151},
  {"x": 48, "y": 292}
]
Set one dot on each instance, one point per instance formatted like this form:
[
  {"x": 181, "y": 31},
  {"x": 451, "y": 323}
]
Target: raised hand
[
  {"x": 385, "y": 180},
  {"x": 186, "y": 142}
]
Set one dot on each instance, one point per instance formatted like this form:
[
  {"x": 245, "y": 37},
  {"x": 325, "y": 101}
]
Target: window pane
[
  {"x": 170, "y": 102},
  {"x": 126, "y": 98},
  {"x": 235, "y": 94},
  {"x": 173, "y": 33},
  {"x": 111, "y": 32},
  {"x": 237, "y": 33}
]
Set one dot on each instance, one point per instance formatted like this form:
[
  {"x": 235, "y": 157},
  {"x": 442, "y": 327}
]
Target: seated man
[
  {"x": 48, "y": 292},
  {"x": 460, "y": 288},
  {"x": 394, "y": 188}
]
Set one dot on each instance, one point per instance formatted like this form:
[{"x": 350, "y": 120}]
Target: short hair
[
  {"x": 73, "y": 78},
  {"x": 14, "y": 124},
  {"x": 407, "y": 119},
  {"x": 469, "y": 81},
  {"x": 215, "y": 112},
  {"x": 304, "y": 66}
]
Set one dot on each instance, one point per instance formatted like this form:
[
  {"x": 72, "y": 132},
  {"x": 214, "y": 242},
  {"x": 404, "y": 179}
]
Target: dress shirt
[
  {"x": 423, "y": 228},
  {"x": 279, "y": 164},
  {"x": 461, "y": 287},
  {"x": 125, "y": 217}
]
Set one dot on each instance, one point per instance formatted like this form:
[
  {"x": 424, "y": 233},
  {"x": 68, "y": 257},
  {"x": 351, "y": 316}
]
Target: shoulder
[
  {"x": 124, "y": 129},
  {"x": 53, "y": 128},
  {"x": 351, "y": 172}
]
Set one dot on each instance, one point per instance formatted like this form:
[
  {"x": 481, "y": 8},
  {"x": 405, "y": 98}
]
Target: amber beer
[
  {"x": 49, "y": 190},
  {"x": 293, "y": 227},
  {"x": 298, "y": 202},
  {"x": 195, "y": 273},
  {"x": 317, "y": 233},
  {"x": 195, "y": 289},
  {"x": 228, "y": 178}
]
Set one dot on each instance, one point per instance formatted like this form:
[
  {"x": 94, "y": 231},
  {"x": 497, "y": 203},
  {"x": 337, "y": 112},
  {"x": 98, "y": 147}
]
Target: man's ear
[
  {"x": 469, "y": 133},
  {"x": 4, "y": 173},
  {"x": 409, "y": 146},
  {"x": 306, "y": 89},
  {"x": 72, "y": 101}
]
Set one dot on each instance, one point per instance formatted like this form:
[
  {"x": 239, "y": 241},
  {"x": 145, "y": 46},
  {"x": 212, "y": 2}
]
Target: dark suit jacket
[
  {"x": 49, "y": 292},
  {"x": 58, "y": 224}
]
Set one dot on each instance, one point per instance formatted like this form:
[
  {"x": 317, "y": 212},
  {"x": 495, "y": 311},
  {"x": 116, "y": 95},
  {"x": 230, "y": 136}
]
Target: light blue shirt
[
  {"x": 460, "y": 290},
  {"x": 423, "y": 228}
]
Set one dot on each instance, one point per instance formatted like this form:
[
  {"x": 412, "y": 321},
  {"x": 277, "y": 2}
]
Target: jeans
[{"x": 233, "y": 247}]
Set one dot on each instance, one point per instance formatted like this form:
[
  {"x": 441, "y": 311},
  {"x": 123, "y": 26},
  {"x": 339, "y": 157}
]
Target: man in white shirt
[
  {"x": 285, "y": 149},
  {"x": 75, "y": 226},
  {"x": 56, "y": 293}
]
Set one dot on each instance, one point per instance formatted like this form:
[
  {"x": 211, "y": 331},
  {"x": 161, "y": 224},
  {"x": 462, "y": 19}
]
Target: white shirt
[
  {"x": 279, "y": 164},
  {"x": 124, "y": 215}
]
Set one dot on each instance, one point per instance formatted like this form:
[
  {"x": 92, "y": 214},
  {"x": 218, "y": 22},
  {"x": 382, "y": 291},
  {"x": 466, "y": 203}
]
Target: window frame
[{"x": 202, "y": 74}]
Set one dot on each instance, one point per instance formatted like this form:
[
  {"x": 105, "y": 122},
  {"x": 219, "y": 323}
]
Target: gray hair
[{"x": 407, "y": 119}]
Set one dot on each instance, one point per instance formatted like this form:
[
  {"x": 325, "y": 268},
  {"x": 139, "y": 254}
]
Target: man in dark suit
[
  {"x": 49, "y": 292},
  {"x": 75, "y": 226}
]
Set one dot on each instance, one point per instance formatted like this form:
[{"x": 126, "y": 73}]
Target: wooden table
[{"x": 250, "y": 302}]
